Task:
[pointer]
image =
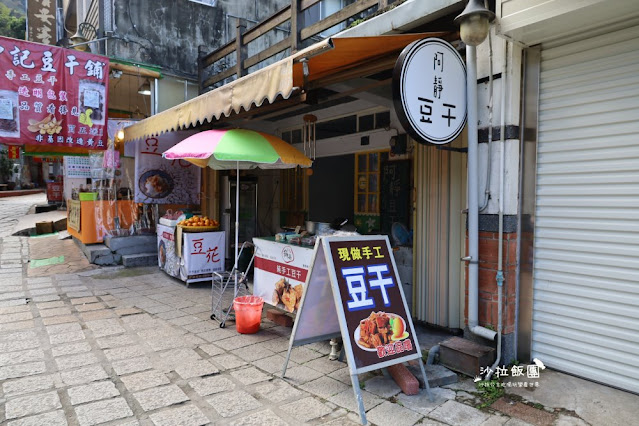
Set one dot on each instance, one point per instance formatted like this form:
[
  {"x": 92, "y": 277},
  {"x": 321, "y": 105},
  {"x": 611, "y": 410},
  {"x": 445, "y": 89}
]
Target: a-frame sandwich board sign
[{"x": 353, "y": 290}]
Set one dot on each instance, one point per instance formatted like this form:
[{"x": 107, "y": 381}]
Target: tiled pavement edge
[{"x": 134, "y": 347}]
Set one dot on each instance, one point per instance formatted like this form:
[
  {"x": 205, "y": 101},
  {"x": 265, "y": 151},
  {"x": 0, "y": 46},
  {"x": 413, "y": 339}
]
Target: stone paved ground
[
  {"x": 132, "y": 346},
  {"x": 12, "y": 208}
]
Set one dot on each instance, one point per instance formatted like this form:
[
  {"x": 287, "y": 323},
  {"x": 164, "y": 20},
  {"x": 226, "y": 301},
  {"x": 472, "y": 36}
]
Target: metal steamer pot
[{"x": 317, "y": 227}]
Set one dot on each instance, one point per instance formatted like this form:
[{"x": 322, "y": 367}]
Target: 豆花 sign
[{"x": 429, "y": 91}]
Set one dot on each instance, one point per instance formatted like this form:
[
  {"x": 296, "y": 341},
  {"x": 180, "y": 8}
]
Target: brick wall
[{"x": 488, "y": 303}]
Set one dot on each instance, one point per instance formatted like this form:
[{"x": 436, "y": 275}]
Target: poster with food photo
[
  {"x": 168, "y": 259},
  {"x": 280, "y": 273},
  {"x": 91, "y": 103},
  {"x": 9, "y": 114},
  {"x": 161, "y": 181}
]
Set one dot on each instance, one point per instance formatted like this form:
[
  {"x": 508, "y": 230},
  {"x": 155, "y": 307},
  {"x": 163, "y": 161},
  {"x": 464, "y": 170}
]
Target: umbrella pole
[{"x": 237, "y": 219}]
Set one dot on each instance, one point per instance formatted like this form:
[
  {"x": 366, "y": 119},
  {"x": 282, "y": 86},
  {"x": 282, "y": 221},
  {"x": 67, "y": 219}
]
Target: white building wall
[{"x": 511, "y": 103}]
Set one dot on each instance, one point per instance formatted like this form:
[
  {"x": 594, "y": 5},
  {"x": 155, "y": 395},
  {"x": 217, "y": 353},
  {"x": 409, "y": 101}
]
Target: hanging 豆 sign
[
  {"x": 429, "y": 91},
  {"x": 52, "y": 96}
]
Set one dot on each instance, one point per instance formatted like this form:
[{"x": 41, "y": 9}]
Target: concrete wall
[
  {"x": 511, "y": 102},
  {"x": 167, "y": 33}
]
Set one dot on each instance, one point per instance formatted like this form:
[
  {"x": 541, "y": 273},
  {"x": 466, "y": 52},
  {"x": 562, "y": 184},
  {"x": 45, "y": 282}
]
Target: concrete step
[
  {"x": 135, "y": 244},
  {"x": 98, "y": 254},
  {"x": 141, "y": 259},
  {"x": 464, "y": 356},
  {"x": 41, "y": 208}
]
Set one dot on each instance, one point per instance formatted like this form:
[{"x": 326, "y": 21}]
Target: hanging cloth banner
[
  {"x": 160, "y": 181},
  {"x": 50, "y": 96}
]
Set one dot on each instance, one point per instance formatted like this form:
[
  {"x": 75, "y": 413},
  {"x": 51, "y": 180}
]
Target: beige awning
[{"x": 280, "y": 79}]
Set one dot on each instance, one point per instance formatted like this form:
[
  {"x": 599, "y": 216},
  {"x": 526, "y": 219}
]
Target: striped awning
[{"x": 278, "y": 80}]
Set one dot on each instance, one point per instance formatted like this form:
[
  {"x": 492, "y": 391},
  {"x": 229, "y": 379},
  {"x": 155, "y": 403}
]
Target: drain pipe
[
  {"x": 500, "y": 254},
  {"x": 432, "y": 353},
  {"x": 473, "y": 202}
]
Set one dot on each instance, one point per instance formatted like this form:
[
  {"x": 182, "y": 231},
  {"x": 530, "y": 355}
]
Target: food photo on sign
[
  {"x": 379, "y": 329},
  {"x": 160, "y": 181},
  {"x": 280, "y": 273},
  {"x": 52, "y": 96},
  {"x": 92, "y": 100},
  {"x": 9, "y": 117}
]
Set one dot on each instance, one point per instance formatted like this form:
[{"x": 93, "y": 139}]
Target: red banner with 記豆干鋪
[{"x": 50, "y": 96}]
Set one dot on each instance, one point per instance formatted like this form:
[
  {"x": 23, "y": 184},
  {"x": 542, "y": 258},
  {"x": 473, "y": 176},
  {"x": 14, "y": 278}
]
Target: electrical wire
[
  {"x": 484, "y": 205},
  {"x": 128, "y": 4}
]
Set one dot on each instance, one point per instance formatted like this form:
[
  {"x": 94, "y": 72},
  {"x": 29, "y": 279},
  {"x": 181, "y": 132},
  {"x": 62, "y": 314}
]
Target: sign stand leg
[
  {"x": 358, "y": 397},
  {"x": 426, "y": 386},
  {"x": 288, "y": 356}
]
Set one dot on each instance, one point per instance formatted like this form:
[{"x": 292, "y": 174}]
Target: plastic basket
[{"x": 199, "y": 228}]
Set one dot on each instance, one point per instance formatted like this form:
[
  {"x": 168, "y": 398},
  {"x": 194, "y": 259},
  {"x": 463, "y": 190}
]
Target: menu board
[
  {"x": 77, "y": 167},
  {"x": 51, "y": 96}
]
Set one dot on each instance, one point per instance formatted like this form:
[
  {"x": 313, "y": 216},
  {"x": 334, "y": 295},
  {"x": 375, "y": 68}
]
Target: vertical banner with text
[
  {"x": 51, "y": 96},
  {"x": 41, "y": 21}
]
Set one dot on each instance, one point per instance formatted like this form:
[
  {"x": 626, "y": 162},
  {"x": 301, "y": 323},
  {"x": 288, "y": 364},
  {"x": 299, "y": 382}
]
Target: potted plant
[{"x": 6, "y": 169}]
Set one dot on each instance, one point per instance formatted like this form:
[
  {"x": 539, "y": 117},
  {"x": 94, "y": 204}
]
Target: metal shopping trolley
[{"x": 228, "y": 285}]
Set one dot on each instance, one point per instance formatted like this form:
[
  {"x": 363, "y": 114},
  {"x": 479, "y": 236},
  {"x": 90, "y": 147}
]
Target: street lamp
[
  {"x": 474, "y": 23},
  {"x": 145, "y": 88}
]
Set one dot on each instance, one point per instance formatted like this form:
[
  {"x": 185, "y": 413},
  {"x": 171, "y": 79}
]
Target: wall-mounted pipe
[
  {"x": 473, "y": 205},
  {"x": 500, "y": 254}
]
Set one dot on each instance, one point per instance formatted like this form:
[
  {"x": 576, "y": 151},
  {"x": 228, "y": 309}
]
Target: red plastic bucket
[{"x": 248, "y": 313}]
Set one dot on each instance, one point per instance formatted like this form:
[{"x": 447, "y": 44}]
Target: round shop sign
[{"x": 429, "y": 91}]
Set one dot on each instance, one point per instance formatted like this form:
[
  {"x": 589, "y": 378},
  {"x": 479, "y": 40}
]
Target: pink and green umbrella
[{"x": 237, "y": 149}]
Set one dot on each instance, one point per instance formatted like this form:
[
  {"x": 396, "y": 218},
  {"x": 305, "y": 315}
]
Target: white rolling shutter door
[{"x": 586, "y": 266}]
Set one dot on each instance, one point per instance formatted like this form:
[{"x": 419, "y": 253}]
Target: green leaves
[{"x": 11, "y": 23}]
